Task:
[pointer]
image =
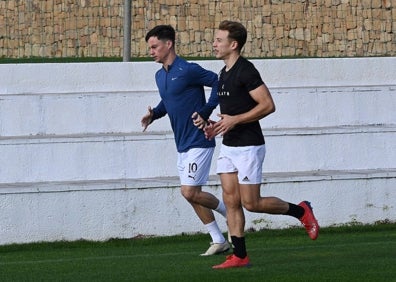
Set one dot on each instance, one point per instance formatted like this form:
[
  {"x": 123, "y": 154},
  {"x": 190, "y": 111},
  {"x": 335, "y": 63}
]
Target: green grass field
[{"x": 350, "y": 253}]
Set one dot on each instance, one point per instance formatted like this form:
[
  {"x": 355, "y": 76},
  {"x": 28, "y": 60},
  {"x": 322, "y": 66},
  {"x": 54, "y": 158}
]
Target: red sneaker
[
  {"x": 309, "y": 221},
  {"x": 233, "y": 261}
]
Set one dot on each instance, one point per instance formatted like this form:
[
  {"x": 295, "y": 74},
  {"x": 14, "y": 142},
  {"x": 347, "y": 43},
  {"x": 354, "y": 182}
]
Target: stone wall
[{"x": 277, "y": 28}]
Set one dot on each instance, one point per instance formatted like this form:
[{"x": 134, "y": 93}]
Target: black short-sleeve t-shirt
[{"x": 234, "y": 98}]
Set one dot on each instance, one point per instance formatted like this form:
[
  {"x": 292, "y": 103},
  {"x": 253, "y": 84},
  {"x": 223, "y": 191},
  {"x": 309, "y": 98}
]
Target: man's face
[
  {"x": 158, "y": 49},
  {"x": 222, "y": 45}
]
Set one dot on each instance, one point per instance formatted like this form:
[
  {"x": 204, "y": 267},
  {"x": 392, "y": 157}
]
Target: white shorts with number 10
[{"x": 194, "y": 166}]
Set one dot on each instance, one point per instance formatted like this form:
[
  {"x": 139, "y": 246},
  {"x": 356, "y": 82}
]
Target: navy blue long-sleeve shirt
[{"x": 182, "y": 93}]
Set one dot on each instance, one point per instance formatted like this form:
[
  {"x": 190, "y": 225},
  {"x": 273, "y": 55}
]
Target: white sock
[
  {"x": 221, "y": 209},
  {"x": 215, "y": 232}
]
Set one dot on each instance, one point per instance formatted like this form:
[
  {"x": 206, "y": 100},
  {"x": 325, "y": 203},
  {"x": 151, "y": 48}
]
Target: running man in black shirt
[{"x": 244, "y": 99}]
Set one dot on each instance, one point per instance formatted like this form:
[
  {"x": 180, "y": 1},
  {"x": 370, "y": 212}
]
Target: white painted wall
[{"x": 73, "y": 157}]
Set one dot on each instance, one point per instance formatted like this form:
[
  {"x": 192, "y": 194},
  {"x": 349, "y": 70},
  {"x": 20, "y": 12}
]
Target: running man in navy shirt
[{"x": 181, "y": 88}]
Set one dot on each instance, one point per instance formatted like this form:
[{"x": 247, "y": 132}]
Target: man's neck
[
  {"x": 230, "y": 61},
  {"x": 169, "y": 60}
]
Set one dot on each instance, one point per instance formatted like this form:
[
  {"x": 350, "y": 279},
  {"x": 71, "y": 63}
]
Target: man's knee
[
  {"x": 249, "y": 206},
  {"x": 190, "y": 194}
]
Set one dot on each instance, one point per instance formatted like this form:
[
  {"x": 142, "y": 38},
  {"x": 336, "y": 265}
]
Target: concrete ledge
[
  {"x": 109, "y": 76},
  {"x": 164, "y": 135},
  {"x": 131, "y": 156},
  {"x": 125, "y": 208},
  {"x": 173, "y": 182},
  {"x": 64, "y": 114}
]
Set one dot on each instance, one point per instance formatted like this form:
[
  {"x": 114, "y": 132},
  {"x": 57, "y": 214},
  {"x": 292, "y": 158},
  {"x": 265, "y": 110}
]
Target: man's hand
[
  {"x": 198, "y": 120},
  {"x": 225, "y": 124},
  {"x": 147, "y": 119},
  {"x": 209, "y": 130}
]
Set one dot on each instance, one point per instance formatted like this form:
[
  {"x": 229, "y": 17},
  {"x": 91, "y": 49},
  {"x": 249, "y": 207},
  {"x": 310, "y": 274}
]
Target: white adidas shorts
[
  {"x": 194, "y": 166},
  {"x": 246, "y": 160}
]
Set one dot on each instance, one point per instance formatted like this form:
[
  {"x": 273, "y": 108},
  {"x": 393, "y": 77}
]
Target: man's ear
[
  {"x": 234, "y": 45},
  {"x": 169, "y": 44}
]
